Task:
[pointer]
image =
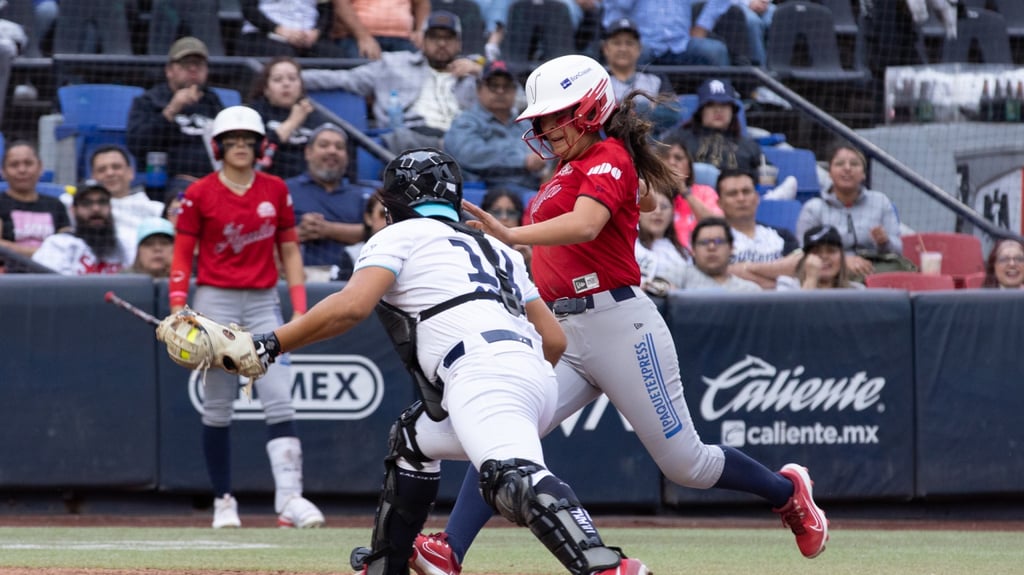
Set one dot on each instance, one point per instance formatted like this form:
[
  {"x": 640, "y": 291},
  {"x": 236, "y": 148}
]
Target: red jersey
[
  {"x": 237, "y": 234},
  {"x": 605, "y": 173}
]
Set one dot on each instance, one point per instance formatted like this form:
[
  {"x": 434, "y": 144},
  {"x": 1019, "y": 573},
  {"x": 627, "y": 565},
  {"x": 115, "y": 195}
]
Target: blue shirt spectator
[
  {"x": 487, "y": 141},
  {"x": 328, "y": 210},
  {"x": 670, "y": 36}
]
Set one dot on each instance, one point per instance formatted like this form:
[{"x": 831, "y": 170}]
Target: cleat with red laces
[
  {"x": 801, "y": 514},
  {"x": 433, "y": 556}
]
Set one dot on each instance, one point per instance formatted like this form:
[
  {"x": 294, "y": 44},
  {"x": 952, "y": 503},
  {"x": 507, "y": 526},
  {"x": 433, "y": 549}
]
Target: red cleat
[
  {"x": 626, "y": 567},
  {"x": 433, "y": 556},
  {"x": 801, "y": 515}
]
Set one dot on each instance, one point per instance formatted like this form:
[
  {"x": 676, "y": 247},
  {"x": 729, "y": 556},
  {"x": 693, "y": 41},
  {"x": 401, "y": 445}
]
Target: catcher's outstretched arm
[{"x": 338, "y": 312}]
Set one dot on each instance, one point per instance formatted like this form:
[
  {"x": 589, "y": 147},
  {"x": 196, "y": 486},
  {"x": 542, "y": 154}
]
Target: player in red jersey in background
[
  {"x": 583, "y": 226},
  {"x": 238, "y": 216}
]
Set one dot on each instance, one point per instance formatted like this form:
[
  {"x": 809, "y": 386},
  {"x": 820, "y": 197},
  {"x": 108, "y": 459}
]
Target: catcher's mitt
[{"x": 197, "y": 342}]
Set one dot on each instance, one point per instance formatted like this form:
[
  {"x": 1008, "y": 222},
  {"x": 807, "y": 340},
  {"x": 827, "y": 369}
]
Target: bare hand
[
  {"x": 311, "y": 226},
  {"x": 878, "y": 234},
  {"x": 486, "y": 222},
  {"x": 812, "y": 266},
  {"x": 859, "y": 266},
  {"x": 185, "y": 97},
  {"x": 698, "y": 32},
  {"x": 300, "y": 111},
  {"x": 293, "y": 36},
  {"x": 416, "y": 37},
  {"x": 461, "y": 67},
  {"x": 369, "y": 48}
]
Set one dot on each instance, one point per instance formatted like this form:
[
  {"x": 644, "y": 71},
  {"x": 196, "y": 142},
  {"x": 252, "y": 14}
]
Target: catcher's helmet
[
  {"x": 422, "y": 176},
  {"x": 572, "y": 83}
]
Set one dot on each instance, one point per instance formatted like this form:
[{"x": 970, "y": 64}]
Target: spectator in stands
[
  {"x": 93, "y": 248},
  {"x": 584, "y": 15},
  {"x": 759, "y": 15},
  {"x": 712, "y": 250},
  {"x": 297, "y": 28},
  {"x": 761, "y": 253},
  {"x": 27, "y": 217},
  {"x": 433, "y": 86},
  {"x": 375, "y": 217},
  {"x": 1005, "y": 266},
  {"x": 669, "y": 38},
  {"x": 172, "y": 206},
  {"x": 866, "y": 219},
  {"x": 155, "y": 248},
  {"x": 172, "y": 116},
  {"x": 621, "y": 50},
  {"x": 279, "y": 97},
  {"x": 659, "y": 253},
  {"x": 112, "y": 169},
  {"x": 172, "y": 19},
  {"x": 713, "y": 135},
  {"x": 507, "y": 206},
  {"x": 823, "y": 264},
  {"x": 486, "y": 140},
  {"x": 693, "y": 202},
  {"x": 368, "y": 27},
  {"x": 90, "y": 27},
  {"x": 44, "y": 14},
  {"x": 328, "y": 210}
]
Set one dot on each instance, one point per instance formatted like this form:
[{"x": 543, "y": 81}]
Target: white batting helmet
[
  {"x": 569, "y": 81},
  {"x": 236, "y": 119}
]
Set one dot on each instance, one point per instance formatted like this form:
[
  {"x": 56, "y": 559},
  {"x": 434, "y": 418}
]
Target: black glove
[{"x": 267, "y": 347}]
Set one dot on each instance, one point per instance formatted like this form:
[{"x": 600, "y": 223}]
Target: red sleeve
[{"x": 181, "y": 269}]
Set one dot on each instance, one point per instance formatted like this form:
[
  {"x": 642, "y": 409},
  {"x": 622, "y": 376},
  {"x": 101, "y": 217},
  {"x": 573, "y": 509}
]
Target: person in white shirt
[
  {"x": 93, "y": 248},
  {"x": 129, "y": 205},
  {"x": 760, "y": 253}
]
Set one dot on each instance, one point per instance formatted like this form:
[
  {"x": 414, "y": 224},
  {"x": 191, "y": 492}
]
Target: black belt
[
  {"x": 491, "y": 336},
  {"x": 575, "y": 305}
]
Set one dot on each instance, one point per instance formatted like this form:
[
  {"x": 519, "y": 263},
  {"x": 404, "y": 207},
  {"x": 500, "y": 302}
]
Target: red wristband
[{"x": 298, "y": 297}]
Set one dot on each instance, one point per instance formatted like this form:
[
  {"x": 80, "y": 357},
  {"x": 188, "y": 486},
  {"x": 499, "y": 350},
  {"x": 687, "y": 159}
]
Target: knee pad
[{"x": 550, "y": 510}]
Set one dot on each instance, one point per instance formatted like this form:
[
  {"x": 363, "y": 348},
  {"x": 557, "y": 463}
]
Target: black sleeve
[
  {"x": 252, "y": 14},
  {"x": 789, "y": 242},
  {"x": 147, "y": 129},
  {"x": 325, "y": 17}
]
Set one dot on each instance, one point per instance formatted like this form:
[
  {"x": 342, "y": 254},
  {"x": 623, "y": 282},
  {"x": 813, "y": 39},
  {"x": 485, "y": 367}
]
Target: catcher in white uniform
[{"x": 471, "y": 327}]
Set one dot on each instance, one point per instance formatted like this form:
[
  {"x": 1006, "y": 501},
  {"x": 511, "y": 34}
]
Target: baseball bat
[{"x": 111, "y": 297}]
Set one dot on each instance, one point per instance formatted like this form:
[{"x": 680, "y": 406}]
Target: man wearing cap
[
  {"x": 155, "y": 248},
  {"x": 93, "y": 248},
  {"x": 171, "y": 117},
  {"x": 328, "y": 210},
  {"x": 621, "y": 48},
  {"x": 669, "y": 37},
  {"x": 487, "y": 141},
  {"x": 433, "y": 85}
]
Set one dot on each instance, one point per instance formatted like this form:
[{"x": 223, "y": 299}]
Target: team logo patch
[
  {"x": 565, "y": 171},
  {"x": 565, "y": 83},
  {"x": 605, "y": 168},
  {"x": 266, "y": 210}
]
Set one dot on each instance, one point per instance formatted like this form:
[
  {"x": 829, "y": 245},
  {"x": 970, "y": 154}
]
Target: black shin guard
[{"x": 550, "y": 510}]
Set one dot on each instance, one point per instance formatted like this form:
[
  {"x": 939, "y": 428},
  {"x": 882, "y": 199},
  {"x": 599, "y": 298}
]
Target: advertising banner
[
  {"x": 821, "y": 379},
  {"x": 347, "y": 392},
  {"x": 969, "y": 394},
  {"x": 78, "y": 387}
]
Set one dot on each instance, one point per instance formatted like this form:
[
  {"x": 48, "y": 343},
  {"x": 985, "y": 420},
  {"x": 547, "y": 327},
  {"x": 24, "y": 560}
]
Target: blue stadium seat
[
  {"x": 95, "y": 115},
  {"x": 349, "y": 106},
  {"x": 779, "y": 213},
  {"x": 705, "y": 174},
  {"x": 228, "y": 97},
  {"x": 799, "y": 163},
  {"x": 474, "y": 194}
]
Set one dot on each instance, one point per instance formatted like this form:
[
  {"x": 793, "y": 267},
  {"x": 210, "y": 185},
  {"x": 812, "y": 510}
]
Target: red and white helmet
[{"x": 568, "y": 82}]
